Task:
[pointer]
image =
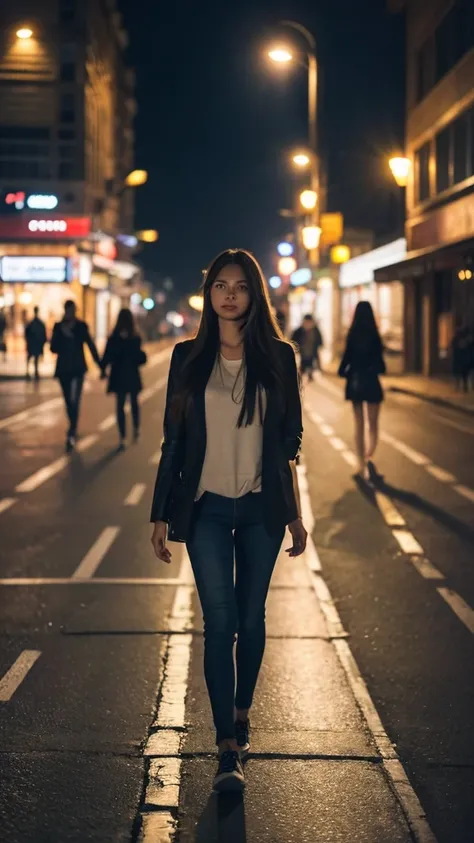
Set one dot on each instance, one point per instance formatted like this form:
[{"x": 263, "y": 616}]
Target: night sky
[{"x": 214, "y": 121}]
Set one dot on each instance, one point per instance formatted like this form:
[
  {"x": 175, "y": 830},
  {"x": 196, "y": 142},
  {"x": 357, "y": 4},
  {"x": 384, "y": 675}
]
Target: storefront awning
[{"x": 422, "y": 261}]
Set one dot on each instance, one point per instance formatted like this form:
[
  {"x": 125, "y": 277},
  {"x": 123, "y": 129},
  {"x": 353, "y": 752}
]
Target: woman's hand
[
  {"x": 158, "y": 540},
  {"x": 299, "y": 536}
]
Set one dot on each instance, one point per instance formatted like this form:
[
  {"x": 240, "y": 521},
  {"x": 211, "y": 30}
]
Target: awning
[{"x": 418, "y": 263}]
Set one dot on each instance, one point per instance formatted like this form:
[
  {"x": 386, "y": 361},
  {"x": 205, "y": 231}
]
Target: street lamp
[
  {"x": 301, "y": 160},
  {"x": 149, "y": 235},
  {"x": 280, "y": 55},
  {"x": 286, "y": 266},
  {"x": 311, "y": 235},
  {"x": 136, "y": 178},
  {"x": 24, "y": 33},
  {"x": 400, "y": 168},
  {"x": 308, "y": 199}
]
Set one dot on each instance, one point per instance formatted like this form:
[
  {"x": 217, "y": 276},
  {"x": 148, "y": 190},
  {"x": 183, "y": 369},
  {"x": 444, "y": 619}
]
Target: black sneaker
[
  {"x": 242, "y": 736},
  {"x": 230, "y": 773}
]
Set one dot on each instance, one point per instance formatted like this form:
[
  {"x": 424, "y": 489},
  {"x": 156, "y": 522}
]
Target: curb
[{"x": 432, "y": 399}]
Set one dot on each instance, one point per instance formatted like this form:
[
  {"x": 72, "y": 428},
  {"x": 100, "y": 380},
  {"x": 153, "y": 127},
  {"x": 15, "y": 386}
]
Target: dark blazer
[
  {"x": 124, "y": 355},
  {"x": 70, "y": 350},
  {"x": 184, "y": 449}
]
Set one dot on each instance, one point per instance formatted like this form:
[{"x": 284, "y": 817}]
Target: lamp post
[
  {"x": 283, "y": 55},
  {"x": 400, "y": 167}
]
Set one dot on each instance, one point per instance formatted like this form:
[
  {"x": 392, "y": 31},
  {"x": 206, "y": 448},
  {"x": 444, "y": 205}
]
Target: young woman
[
  {"x": 361, "y": 365},
  {"x": 124, "y": 355},
  {"x": 226, "y": 483}
]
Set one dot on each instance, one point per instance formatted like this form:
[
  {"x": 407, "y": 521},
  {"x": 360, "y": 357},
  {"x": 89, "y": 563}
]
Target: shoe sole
[
  {"x": 244, "y": 750},
  {"x": 229, "y": 783}
]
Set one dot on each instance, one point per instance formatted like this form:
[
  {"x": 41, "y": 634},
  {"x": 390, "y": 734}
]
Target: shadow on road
[
  {"x": 223, "y": 820},
  {"x": 378, "y": 483}
]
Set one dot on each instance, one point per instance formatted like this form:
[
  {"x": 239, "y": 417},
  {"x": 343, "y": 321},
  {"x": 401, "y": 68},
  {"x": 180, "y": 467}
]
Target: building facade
[
  {"x": 66, "y": 146},
  {"x": 438, "y": 271}
]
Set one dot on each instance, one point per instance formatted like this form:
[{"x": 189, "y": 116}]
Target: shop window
[
  {"x": 424, "y": 69},
  {"x": 25, "y": 169},
  {"x": 67, "y": 108},
  {"x": 24, "y": 132},
  {"x": 443, "y": 149},
  {"x": 28, "y": 150},
  {"x": 453, "y": 37},
  {"x": 422, "y": 162},
  {"x": 66, "y": 134},
  {"x": 460, "y": 148},
  {"x": 66, "y": 170}
]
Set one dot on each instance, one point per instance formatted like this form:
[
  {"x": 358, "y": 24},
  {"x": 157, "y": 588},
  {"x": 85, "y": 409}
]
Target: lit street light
[
  {"x": 196, "y": 302},
  {"x": 286, "y": 266},
  {"x": 311, "y": 235},
  {"x": 136, "y": 178},
  {"x": 308, "y": 199},
  {"x": 280, "y": 55},
  {"x": 301, "y": 160},
  {"x": 400, "y": 168},
  {"x": 149, "y": 235},
  {"x": 24, "y": 33}
]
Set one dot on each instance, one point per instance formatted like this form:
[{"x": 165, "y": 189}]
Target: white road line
[
  {"x": 155, "y": 458},
  {"x": 30, "y": 581},
  {"x": 39, "y": 477},
  {"x": 462, "y": 427},
  {"x": 390, "y": 513},
  {"x": 157, "y": 827},
  {"x": 94, "y": 556},
  {"x": 425, "y": 568},
  {"x": 410, "y": 453},
  {"x": 337, "y": 443},
  {"x": 350, "y": 458},
  {"x": 326, "y": 429},
  {"x": 407, "y": 542},
  {"x": 394, "y": 769},
  {"x": 87, "y": 442},
  {"x": 107, "y": 423},
  {"x": 440, "y": 474},
  {"x": 13, "y": 678},
  {"x": 135, "y": 494},
  {"x": 465, "y": 491},
  {"x": 31, "y": 411},
  {"x": 459, "y": 607},
  {"x": 315, "y": 417},
  {"x": 6, "y": 503}
]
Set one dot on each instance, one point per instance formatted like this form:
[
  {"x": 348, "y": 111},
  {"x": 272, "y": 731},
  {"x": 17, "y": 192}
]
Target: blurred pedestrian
[
  {"x": 361, "y": 365},
  {"x": 68, "y": 340},
  {"x": 226, "y": 482},
  {"x": 124, "y": 355},
  {"x": 35, "y": 336},
  {"x": 462, "y": 357},
  {"x": 309, "y": 340},
  {"x": 3, "y": 328}
]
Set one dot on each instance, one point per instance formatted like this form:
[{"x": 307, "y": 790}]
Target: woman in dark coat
[
  {"x": 124, "y": 355},
  {"x": 361, "y": 365}
]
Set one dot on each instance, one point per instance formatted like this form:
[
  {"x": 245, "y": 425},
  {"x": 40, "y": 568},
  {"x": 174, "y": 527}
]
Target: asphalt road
[{"x": 104, "y": 729}]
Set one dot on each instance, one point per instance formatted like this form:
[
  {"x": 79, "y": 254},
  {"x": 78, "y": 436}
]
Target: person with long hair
[
  {"x": 361, "y": 365},
  {"x": 124, "y": 355},
  {"x": 226, "y": 483}
]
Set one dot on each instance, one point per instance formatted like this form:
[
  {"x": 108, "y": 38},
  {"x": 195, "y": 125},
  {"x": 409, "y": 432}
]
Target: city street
[{"x": 363, "y": 720}]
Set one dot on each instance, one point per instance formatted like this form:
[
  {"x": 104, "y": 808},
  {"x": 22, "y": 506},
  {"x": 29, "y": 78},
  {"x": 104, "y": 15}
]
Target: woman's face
[{"x": 230, "y": 297}]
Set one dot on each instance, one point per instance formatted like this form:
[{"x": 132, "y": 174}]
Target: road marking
[
  {"x": 462, "y": 427},
  {"x": 326, "y": 429},
  {"x": 425, "y": 568},
  {"x": 414, "y": 456},
  {"x": 39, "y": 477},
  {"x": 94, "y": 556},
  {"x": 13, "y": 678},
  {"x": 315, "y": 417},
  {"x": 465, "y": 491},
  {"x": 6, "y": 503},
  {"x": 389, "y": 512},
  {"x": 29, "y": 581},
  {"x": 31, "y": 411},
  {"x": 394, "y": 769},
  {"x": 407, "y": 542},
  {"x": 440, "y": 474},
  {"x": 155, "y": 458},
  {"x": 350, "y": 458},
  {"x": 157, "y": 827},
  {"x": 135, "y": 494},
  {"x": 87, "y": 442},
  {"x": 107, "y": 423},
  {"x": 459, "y": 607},
  {"x": 337, "y": 443}
]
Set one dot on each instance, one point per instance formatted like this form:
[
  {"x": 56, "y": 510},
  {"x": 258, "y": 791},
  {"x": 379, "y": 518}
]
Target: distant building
[
  {"x": 438, "y": 271},
  {"x": 66, "y": 145}
]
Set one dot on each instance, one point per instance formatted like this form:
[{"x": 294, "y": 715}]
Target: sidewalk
[{"x": 316, "y": 772}]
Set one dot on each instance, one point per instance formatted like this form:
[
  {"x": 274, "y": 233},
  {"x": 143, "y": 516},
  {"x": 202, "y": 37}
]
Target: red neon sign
[{"x": 44, "y": 228}]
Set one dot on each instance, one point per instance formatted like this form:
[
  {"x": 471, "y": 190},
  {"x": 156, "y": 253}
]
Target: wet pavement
[{"x": 362, "y": 726}]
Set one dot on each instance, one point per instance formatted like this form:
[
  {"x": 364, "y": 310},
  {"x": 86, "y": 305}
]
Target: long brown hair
[
  {"x": 261, "y": 333},
  {"x": 125, "y": 323}
]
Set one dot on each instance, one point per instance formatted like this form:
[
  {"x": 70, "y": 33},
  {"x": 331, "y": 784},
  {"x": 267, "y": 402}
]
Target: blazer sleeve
[
  {"x": 91, "y": 345},
  {"x": 55, "y": 340},
  {"x": 293, "y": 421},
  {"x": 345, "y": 363},
  {"x": 107, "y": 357},
  {"x": 160, "y": 508}
]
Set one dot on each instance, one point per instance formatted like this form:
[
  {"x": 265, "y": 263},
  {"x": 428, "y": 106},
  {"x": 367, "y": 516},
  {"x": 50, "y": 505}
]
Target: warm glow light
[
  {"x": 301, "y": 160},
  {"x": 308, "y": 199},
  {"x": 149, "y": 235},
  {"x": 24, "y": 33},
  {"x": 340, "y": 254},
  {"x": 311, "y": 235},
  {"x": 468, "y": 274},
  {"x": 136, "y": 178},
  {"x": 25, "y": 298},
  {"x": 286, "y": 266},
  {"x": 196, "y": 302},
  {"x": 400, "y": 168},
  {"x": 280, "y": 55}
]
